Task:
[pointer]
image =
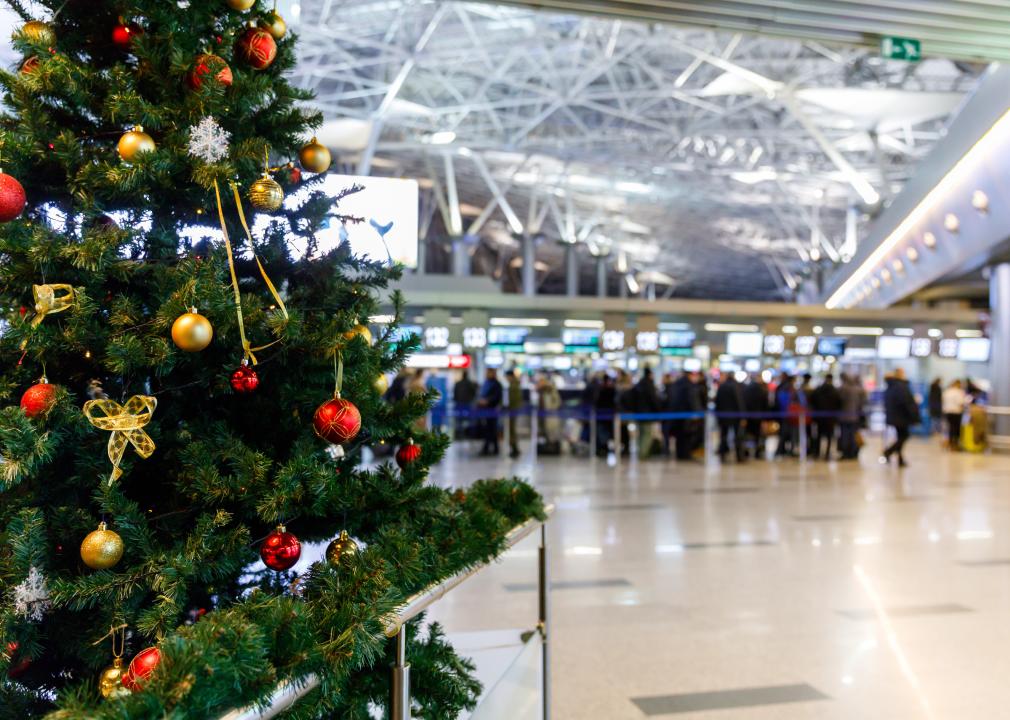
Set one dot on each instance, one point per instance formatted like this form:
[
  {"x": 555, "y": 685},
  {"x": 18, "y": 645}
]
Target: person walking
[
  {"x": 729, "y": 404},
  {"x": 936, "y": 406},
  {"x": 954, "y": 402},
  {"x": 902, "y": 413},
  {"x": 826, "y": 403},
  {"x": 489, "y": 401},
  {"x": 755, "y": 400},
  {"x": 464, "y": 393},
  {"x": 853, "y": 398},
  {"x": 515, "y": 404}
]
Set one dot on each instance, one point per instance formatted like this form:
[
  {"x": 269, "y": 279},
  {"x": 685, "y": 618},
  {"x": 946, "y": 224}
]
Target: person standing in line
[
  {"x": 954, "y": 401},
  {"x": 605, "y": 404},
  {"x": 515, "y": 403},
  {"x": 729, "y": 403},
  {"x": 853, "y": 398},
  {"x": 398, "y": 388},
  {"x": 464, "y": 393},
  {"x": 664, "y": 404},
  {"x": 787, "y": 407},
  {"x": 755, "y": 400},
  {"x": 646, "y": 401},
  {"x": 936, "y": 406},
  {"x": 550, "y": 404},
  {"x": 699, "y": 404},
  {"x": 826, "y": 402},
  {"x": 489, "y": 401},
  {"x": 416, "y": 385},
  {"x": 681, "y": 398},
  {"x": 902, "y": 413}
]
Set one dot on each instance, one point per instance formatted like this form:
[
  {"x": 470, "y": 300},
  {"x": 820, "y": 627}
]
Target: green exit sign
[{"x": 899, "y": 48}]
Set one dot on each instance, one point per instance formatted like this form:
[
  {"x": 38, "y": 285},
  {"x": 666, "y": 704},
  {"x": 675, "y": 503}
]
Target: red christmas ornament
[
  {"x": 17, "y": 666},
  {"x": 244, "y": 379},
  {"x": 294, "y": 174},
  {"x": 38, "y": 399},
  {"x": 209, "y": 65},
  {"x": 123, "y": 34},
  {"x": 141, "y": 668},
  {"x": 280, "y": 550},
  {"x": 408, "y": 454},
  {"x": 12, "y": 198},
  {"x": 257, "y": 48},
  {"x": 29, "y": 65},
  {"x": 337, "y": 421}
]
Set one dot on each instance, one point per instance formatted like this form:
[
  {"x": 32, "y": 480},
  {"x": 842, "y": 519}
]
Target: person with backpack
[{"x": 902, "y": 413}]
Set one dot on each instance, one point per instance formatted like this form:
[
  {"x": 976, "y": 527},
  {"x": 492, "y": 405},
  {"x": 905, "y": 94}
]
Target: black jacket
[
  {"x": 899, "y": 404},
  {"x": 755, "y": 397},
  {"x": 729, "y": 397},
  {"x": 826, "y": 399},
  {"x": 681, "y": 396}
]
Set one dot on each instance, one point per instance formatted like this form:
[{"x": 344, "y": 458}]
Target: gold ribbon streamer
[
  {"x": 126, "y": 423},
  {"x": 248, "y": 351},
  {"x": 48, "y": 302}
]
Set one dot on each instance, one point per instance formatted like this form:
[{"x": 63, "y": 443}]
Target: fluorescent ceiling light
[
  {"x": 443, "y": 137},
  {"x": 969, "y": 333},
  {"x": 903, "y": 332},
  {"x": 633, "y": 187},
  {"x": 846, "y": 330},
  {"x": 674, "y": 326},
  {"x": 987, "y": 146},
  {"x": 790, "y": 329},
  {"x": 753, "y": 177},
  {"x": 592, "y": 324},
  {"x": 817, "y": 329},
  {"x": 520, "y": 322},
  {"x": 727, "y": 327},
  {"x": 381, "y": 319},
  {"x": 633, "y": 285},
  {"x": 935, "y": 333}
]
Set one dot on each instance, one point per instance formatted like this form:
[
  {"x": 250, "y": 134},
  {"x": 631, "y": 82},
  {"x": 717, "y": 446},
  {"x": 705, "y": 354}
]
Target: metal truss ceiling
[{"x": 735, "y": 164}]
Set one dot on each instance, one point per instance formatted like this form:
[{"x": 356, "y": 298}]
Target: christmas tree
[{"x": 185, "y": 402}]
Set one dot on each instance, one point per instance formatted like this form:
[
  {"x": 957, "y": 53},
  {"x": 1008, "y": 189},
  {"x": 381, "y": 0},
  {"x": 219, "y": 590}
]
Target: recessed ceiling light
[
  {"x": 951, "y": 223},
  {"x": 912, "y": 254},
  {"x": 980, "y": 201},
  {"x": 885, "y": 275},
  {"x": 898, "y": 266},
  {"x": 929, "y": 240}
]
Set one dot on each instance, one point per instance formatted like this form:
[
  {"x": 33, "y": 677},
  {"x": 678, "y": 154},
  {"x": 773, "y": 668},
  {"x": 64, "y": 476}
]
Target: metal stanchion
[
  {"x": 507, "y": 430},
  {"x": 545, "y": 615},
  {"x": 617, "y": 438},
  {"x": 592, "y": 434},
  {"x": 708, "y": 428},
  {"x": 534, "y": 432},
  {"x": 400, "y": 701},
  {"x": 803, "y": 435}
]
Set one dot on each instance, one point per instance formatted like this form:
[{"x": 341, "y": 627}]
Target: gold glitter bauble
[
  {"x": 38, "y": 32},
  {"x": 381, "y": 384},
  {"x": 266, "y": 194},
  {"x": 240, "y": 5},
  {"x": 192, "y": 332},
  {"x": 135, "y": 142},
  {"x": 361, "y": 330},
  {"x": 102, "y": 548},
  {"x": 341, "y": 549},
  {"x": 275, "y": 25},
  {"x": 110, "y": 682},
  {"x": 314, "y": 157}
]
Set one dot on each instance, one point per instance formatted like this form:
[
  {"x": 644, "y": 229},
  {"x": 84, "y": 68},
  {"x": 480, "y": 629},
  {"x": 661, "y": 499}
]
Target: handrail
[{"x": 288, "y": 692}]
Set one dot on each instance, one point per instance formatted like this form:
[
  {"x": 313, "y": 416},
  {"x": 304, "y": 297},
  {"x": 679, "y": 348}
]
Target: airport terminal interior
[{"x": 727, "y": 284}]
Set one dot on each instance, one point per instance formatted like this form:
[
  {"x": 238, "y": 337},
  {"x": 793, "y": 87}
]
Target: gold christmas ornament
[
  {"x": 314, "y": 157},
  {"x": 102, "y": 548},
  {"x": 192, "y": 332},
  {"x": 266, "y": 194},
  {"x": 342, "y": 549},
  {"x": 275, "y": 25},
  {"x": 240, "y": 5},
  {"x": 110, "y": 682},
  {"x": 133, "y": 143},
  {"x": 38, "y": 32},
  {"x": 361, "y": 330},
  {"x": 381, "y": 384}
]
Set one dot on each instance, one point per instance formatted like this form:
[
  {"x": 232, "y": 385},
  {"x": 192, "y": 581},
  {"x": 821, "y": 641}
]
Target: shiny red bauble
[
  {"x": 337, "y": 421},
  {"x": 257, "y": 48},
  {"x": 244, "y": 379},
  {"x": 123, "y": 34},
  {"x": 38, "y": 399},
  {"x": 208, "y": 65},
  {"x": 408, "y": 454},
  {"x": 12, "y": 198},
  {"x": 280, "y": 550},
  {"x": 141, "y": 668},
  {"x": 294, "y": 175},
  {"x": 17, "y": 666}
]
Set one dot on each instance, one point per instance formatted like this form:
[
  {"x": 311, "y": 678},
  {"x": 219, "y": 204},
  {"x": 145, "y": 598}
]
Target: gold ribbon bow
[
  {"x": 48, "y": 302},
  {"x": 126, "y": 423}
]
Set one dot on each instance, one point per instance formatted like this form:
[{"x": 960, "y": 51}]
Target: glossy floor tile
[{"x": 870, "y": 592}]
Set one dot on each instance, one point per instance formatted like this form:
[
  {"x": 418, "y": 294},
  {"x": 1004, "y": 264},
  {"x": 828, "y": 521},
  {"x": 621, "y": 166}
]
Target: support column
[
  {"x": 999, "y": 331},
  {"x": 460, "y": 257},
  {"x": 571, "y": 270},
  {"x": 422, "y": 256},
  {"x": 601, "y": 276},
  {"x": 529, "y": 270}
]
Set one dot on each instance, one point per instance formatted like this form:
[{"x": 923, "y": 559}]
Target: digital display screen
[
  {"x": 922, "y": 347},
  {"x": 775, "y": 344},
  {"x": 806, "y": 344},
  {"x": 507, "y": 335},
  {"x": 893, "y": 347},
  {"x": 581, "y": 338},
  {"x": 973, "y": 350},
  {"x": 947, "y": 348},
  {"x": 831, "y": 346},
  {"x": 744, "y": 344},
  {"x": 676, "y": 338}
]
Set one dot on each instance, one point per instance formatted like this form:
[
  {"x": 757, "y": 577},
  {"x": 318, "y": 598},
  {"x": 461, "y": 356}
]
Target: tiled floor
[{"x": 766, "y": 590}]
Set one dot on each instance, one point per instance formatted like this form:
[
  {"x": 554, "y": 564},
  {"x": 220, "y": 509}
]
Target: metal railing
[{"x": 288, "y": 692}]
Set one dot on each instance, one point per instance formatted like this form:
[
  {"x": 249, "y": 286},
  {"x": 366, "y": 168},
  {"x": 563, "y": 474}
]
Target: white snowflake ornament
[
  {"x": 208, "y": 140},
  {"x": 31, "y": 597}
]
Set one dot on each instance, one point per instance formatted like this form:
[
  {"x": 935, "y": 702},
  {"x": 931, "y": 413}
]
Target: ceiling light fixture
[
  {"x": 912, "y": 254},
  {"x": 951, "y": 223},
  {"x": 590, "y": 324},
  {"x": 903, "y": 332},
  {"x": 790, "y": 329},
  {"x": 935, "y": 333},
  {"x": 929, "y": 240},
  {"x": 980, "y": 201},
  {"x": 442, "y": 137},
  {"x": 969, "y": 333},
  {"x": 729, "y": 327},
  {"x": 855, "y": 330},
  {"x": 520, "y": 322},
  {"x": 982, "y": 150}
]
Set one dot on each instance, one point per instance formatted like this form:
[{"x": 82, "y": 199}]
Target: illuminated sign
[
  {"x": 676, "y": 339},
  {"x": 947, "y": 348},
  {"x": 775, "y": 344},
  {"x": 613, "y": 340},
  {"x": 474, "y": 337},
  {"x": 581, "y": 340},
  {"x": 647, "y": 341},
  {"x": 436, "y": 337},
  {"x": 922, "y": 347},
  {"x": 806, "y": 344},
  {"x": 507, "y": 338},
  {"x": 404, "y": 332}
]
